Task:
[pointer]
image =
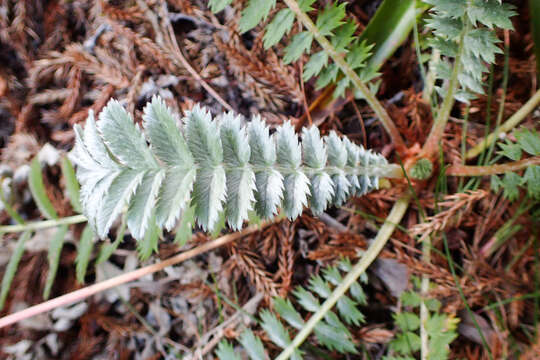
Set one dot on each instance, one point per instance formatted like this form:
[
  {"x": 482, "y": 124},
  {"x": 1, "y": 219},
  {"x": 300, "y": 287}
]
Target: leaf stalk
[
  {"x": 377, "y": 107},
  {"x": 393, "y": 219}
]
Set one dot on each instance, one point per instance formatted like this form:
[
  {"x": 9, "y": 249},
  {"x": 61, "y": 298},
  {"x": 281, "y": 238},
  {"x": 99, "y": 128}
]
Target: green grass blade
[
  {"x": 84, "y": 252},
  {"x": 388, "y": 29},
  {"x": 72, "y": 185},
  {"x": 55, "y": 249},
  {"x": 37, "y": 188},
  {"x": 12, "y": 267}
]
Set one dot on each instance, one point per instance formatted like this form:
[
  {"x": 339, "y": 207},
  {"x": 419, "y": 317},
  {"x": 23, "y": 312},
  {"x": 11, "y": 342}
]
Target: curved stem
[
  {"x": 37, "y": 225},
  {"x": 393, "y": 219},
  {"x": 377, "y": 107},
  {"x": 83, "y": 293},
  {"x": 431, "y": 145},
  {"x": 508, "y": 125},
  {"x": 464, "y": 170}
]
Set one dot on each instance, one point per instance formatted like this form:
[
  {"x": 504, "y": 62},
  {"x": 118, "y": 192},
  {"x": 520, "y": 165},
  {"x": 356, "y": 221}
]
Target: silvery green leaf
[
  {"x": 315, "y": 158},
  {"x": 123, "y": 138},
  {"x": 295, "y": 182},
  {"x": 240, "y": 176},
  {"x": 205, "y": 144},
  {"x": 118, "y": 196},
  {"x": 174, "y": 195},
  {"x": 208, "y": 196},
  {"x": 142, "y": 204},
  {"x": 203, "y": 137},
  {"x": 337, "y": 152},
  {"x": 364, "y": 179},
  {"x": 313, "y": 148},
  {"x": 337, "y": 157},
  {"x": 94, "y": 199},
  {"x": 167, "y": 142},
  {"x": 268, "y": 181},
  {"x": 269, "y": 184},
  {"x": 353, "y": 161},
  {"x": 89, "y": 171},
  {"x": 94, "y": 144},
  {"x": 322, "y": 191}
]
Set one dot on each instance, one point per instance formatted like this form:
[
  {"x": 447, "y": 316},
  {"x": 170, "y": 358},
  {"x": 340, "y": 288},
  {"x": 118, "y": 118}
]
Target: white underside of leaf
[
  {"x": 322, "y": 190},
  {"x": 94, "y": 198},
  {"x": 174, "y": 195},
  {"x": 269, "y": 184},
  {"x": 208, "y": 196},
  {"x": 142, "y": 204},
  {"x": 122, "y": 189},
  {"x": 295, "y": 195},
  {"x": 240, "y": 187},
  {"x": 341, "y": 188}
]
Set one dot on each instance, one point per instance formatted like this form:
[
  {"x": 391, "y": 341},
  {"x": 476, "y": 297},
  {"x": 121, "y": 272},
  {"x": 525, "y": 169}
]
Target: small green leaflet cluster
[
  {"x": 465, "y": 30},
  {"x": 528, "y": 141},
  {"x": 441, "y": 329},
  {"x": 217, "y": 167},
  {"x": 330, "y": 23},
  {"x": 332, "y": 332},
  {"x": 44, "y": 204}
]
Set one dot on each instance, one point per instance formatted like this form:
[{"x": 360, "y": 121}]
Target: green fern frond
[
  {"x": 332, "y": 333},
  {"x": 330, "y": 22},
  {"x": 465, "y": 30},
  {"x": 214, "y": 165}
]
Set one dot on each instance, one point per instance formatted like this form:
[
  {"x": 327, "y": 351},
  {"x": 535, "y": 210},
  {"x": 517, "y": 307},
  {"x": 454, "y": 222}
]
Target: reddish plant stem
[
  {"x": 83, "y": 293},
  {"x": 465, "y": 170}
]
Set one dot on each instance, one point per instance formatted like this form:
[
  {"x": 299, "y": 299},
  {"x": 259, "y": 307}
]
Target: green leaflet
[
  {"x": 12, "y": 265},
  {"x": 330, "y": 18},
  {"x": 72, "y": 185},
  {"x": 300, "y": 43},
  {"x": 466, "y": 30},
  {"x": 331, "y": 333},
  {"x": 218, "y": 5},
  {"x": 218, "y": 168},
  {"x": 225, "y": 351},
  {"x": 527, "y": 143},
  {"x": 255, "y": 12},
  {"x": 55, "y": 249},
  {"x": 287, "y": 311},
  {"x": 84, "y": 252},
  {"x": 37, "y": 188},
  {"x": 253, "y": 345},
  {"x": 278, "y": 27},
  {"x": 107, "y": 249},
  {"x": 149, "y": 243}
]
